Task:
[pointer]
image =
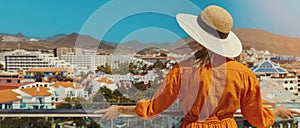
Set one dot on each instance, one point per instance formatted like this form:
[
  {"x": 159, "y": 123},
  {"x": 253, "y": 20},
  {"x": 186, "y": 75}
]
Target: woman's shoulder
[{"x": 237, "y": 66}]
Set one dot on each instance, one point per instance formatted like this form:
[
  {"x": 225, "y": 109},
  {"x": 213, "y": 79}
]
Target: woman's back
[{"x": 215, "y": 92}]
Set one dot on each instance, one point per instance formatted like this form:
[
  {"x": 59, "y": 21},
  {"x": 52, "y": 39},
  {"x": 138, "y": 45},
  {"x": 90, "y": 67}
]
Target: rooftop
[
  {"x": 105, "y": 80},
  {"x": 37, "y": 91},
  {"x": 11, "y": 78},
  {"x": 67, "y": 84},
  {"x": 47, "y": 70},
  {"x": 8, "y": 95},
  {"x": 268, "y": 66},
  {"x": 12, "y": 85}
]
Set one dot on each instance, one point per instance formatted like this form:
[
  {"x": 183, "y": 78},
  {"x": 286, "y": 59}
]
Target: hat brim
[{"x": 229, "y": 47}]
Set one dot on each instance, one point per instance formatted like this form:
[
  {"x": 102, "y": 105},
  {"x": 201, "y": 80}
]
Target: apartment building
[
  {"x": 62, "y": 51},
  {"x": 66, "y": 89},
  {"x": 22, "y": 59},
  {"x": 115, "y": 60},
  {"x": 268, "y": 70}
]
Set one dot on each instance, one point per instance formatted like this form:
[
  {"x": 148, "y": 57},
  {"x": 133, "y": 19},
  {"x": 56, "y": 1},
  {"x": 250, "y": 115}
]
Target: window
[
  {"x": 285, "y": 82},
  {"x": 291, "y": 88},
  {"x": 41, "y": 100},
  {"x": 35, "y": 107},
  {"x": 8, "y": 106}
]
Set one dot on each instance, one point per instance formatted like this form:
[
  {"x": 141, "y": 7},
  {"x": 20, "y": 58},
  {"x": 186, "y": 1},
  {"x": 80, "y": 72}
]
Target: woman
[{"x": 211, "y": 87}]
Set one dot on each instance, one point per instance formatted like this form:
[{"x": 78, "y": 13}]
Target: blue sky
[{"x": 125, "y": 20}]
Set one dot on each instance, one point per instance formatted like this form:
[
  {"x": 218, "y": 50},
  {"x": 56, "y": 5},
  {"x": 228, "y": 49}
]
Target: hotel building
[
  {"x": 22, "y": 59},
  {"x": 268, "y": 70}
]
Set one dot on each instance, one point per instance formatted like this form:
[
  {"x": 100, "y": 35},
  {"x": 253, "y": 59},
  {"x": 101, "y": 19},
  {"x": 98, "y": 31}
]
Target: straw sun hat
[{"x": 212, "y": 29}]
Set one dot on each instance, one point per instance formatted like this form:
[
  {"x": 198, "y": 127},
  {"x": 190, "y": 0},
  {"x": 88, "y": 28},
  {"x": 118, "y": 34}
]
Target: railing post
[
  {"x": 111, "y": 123},
  {"x": 288, "y": 125},
  {"x": 137, "y": 122},
  {"x": 280, "y": 125},
  {"x": 128, "y": 121}
]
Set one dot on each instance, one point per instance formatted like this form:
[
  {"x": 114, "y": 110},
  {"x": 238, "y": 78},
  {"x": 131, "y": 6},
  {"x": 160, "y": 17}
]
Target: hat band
[{"x": 211, "y": 30}]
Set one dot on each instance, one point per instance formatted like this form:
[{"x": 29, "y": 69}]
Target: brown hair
[{"x": 200, "y": 55}]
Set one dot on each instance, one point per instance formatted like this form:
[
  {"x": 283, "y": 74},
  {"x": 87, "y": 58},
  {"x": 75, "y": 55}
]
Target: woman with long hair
[{"x": 210, "y": 86}]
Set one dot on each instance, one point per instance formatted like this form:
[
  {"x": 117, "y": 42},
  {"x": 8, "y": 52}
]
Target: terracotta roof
[
  {"x": 12, "y": 85},
  {"x": 105, "y": 80},
  {"x": 171, "y": 58},
  {"x": 67, "y": 84},
  {"x": 7, "y": 96},
  {"x": 47, "y": 70},
  {"x": 37, "y": 91},
  {"x": 8, "y": 87},
  {"x": 1, "y": 78}
]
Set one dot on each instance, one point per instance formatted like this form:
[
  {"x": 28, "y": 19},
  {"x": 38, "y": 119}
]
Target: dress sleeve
[
  {"x": 164, "y": 97},
  {"x": 251, "y": 105}
]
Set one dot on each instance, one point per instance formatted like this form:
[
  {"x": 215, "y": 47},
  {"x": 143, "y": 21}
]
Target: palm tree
[{"x": 104, "y": 68}]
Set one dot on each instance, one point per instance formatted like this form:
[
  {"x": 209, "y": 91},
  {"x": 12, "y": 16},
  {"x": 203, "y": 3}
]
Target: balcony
[
  {"x": 22, "y": 106},
  {"x": 169, "y": 118},
  {"x": 84, "y": 113}
]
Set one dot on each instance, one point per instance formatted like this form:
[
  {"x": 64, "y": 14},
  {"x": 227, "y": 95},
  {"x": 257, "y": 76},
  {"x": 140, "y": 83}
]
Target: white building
[
  {"x": 268, "y": 70},
  {"x": 66, "y": 89},
  {"x": 62, "y": 51},
  {"x": 80, "y": 61},
  {"x": 115, "y": 60},
  {"x": 27, "y": 98},
  {"x": 273, "y": 92},
  {"x": 104, "y": 82},
  {"x": 22, "y": 59},
  {"x": 36, "y": 98},
  {"x": 39, "y": 95},
  {"x": 129, "y": 78},
  {"x": 9, "y": 99}
]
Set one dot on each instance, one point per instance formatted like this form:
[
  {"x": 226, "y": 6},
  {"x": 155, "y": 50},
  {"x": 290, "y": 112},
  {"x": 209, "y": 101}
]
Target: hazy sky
[{"x": 124, "y": 20}]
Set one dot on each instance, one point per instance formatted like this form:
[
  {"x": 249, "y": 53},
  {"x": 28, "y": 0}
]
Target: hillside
[{"x": 261, "y": 40}]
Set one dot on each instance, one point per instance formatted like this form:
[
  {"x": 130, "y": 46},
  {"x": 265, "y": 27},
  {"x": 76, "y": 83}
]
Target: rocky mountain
[
  {"x": 258, "y": 39},
  {"x": 263, "y": 40},
  {"x": 13, "y": 38},
  {"x": 56, "y": 37},
  {"x": 72, "y": 40}
]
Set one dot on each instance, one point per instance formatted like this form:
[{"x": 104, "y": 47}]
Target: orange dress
[{"x": 209, "y": 96}]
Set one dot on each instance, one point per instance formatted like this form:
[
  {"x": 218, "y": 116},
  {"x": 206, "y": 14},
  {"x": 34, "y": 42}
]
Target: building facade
[
  {"x": 21, "y": 59},
  {"x": 268, "y": 70}
]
